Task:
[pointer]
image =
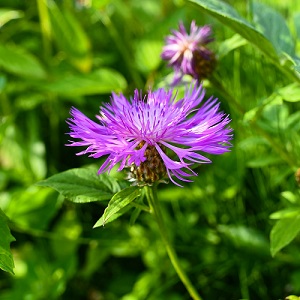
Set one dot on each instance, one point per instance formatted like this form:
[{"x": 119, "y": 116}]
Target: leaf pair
[{"x": 84, "y": 185}]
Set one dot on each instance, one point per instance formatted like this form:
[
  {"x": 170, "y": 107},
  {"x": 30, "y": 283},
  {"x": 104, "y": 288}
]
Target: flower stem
[{"x": 151, "y": 195}]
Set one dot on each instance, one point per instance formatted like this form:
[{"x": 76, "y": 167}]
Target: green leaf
[
  {"x": 263, "y": 161},
  {"x": 230, "y": 44},
  {"x": 251, "y": 143},
  {"x": 102, "y": 222},
  {"x": 289, "y": 196},
  {"x": 33, "y": 207},
  {"x": 227, "y": 15},
  {"x": 101, "y": 81},
  {"x": 283, "y": 232},
  {"x": 83, "y": 185},
  {"x": 119, "y": 202},
  {"x": 274, "y": 27},
  {"x": 290, "y": 212},
  {"x": 296, "y": 18},
  {"x": 18, "y": 61},
  {"x": 6, "y": 259},
  {"x": 7, "y": 15},
  {"x": 147, "y": 55},
  {"x": 245, "y": 238},
  {"x": 290, "y": 93}
]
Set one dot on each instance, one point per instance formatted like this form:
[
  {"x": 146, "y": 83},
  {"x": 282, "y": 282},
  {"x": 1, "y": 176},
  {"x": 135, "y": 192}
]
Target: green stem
[{"x": 155, "y": 209}]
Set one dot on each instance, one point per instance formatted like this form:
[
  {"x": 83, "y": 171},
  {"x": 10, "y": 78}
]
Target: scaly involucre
[{"x": 178, "y": 130}]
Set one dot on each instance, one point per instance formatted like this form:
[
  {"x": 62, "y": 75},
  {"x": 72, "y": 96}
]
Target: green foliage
[
  {"x": 82, "y": 185},
  {"x": 284, "y": 232},
  {"x": 235, "y": 229},
  {"x": 97, "y": 82},
  {"x": 273, "y": 26},
  {"x": 6, "y": 259},
  {"x": 117, "y": 204},
  {"x": 229, "y": 16},
  {"x": 18, "y": 61},
  {"x": 70, "y": 36}
]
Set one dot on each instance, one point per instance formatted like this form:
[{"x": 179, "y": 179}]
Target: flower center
[
  {"x": 204, "y": 63},
  {"x": 151, "y": 170}
]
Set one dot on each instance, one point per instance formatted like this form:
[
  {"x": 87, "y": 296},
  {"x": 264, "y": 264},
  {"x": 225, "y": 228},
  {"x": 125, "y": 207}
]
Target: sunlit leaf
[
  {"x": 283, "y": 232},
  {"x": 290, "y": 93},
  {"x": 119, "y": 202},
  {"x": 289, "y": 196},
  {"x": 7, "y": 15},
  {"x": 6, "y": 259},
  {"x": 285, "y": 213},
  {"x": 82, "y": 185}
]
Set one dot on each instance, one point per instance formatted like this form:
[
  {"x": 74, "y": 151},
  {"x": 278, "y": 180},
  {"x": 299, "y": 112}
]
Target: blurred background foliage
[{"x": 58, "y": 54}]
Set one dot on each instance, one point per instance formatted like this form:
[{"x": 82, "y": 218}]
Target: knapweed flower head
[
  {"x": 188, "y": 54},
  {"x": 154, "y": 135}
]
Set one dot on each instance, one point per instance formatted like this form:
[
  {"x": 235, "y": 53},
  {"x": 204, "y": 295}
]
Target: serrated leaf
[
  {"x": 102, "y": 222},
  {"x": 101, "y": 81},
  {"x": 274, "y": 27},
  {"x": 283, "y": 232},
  {"x": 18, "y": 61},
  {"x": 119, "y": 202},
  {"x": 229, "y": 16},
  {"x": 6, "y": 258},
  {"x": 83, "y": 185}
]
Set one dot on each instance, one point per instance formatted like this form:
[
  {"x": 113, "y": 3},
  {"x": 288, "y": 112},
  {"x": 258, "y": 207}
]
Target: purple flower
[
  {"x": 186, "y": 52},
  {"x": 155, "y": 135}
]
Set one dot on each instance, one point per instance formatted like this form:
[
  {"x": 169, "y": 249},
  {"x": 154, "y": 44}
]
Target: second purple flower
[{"x": 187, "y": 52}]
